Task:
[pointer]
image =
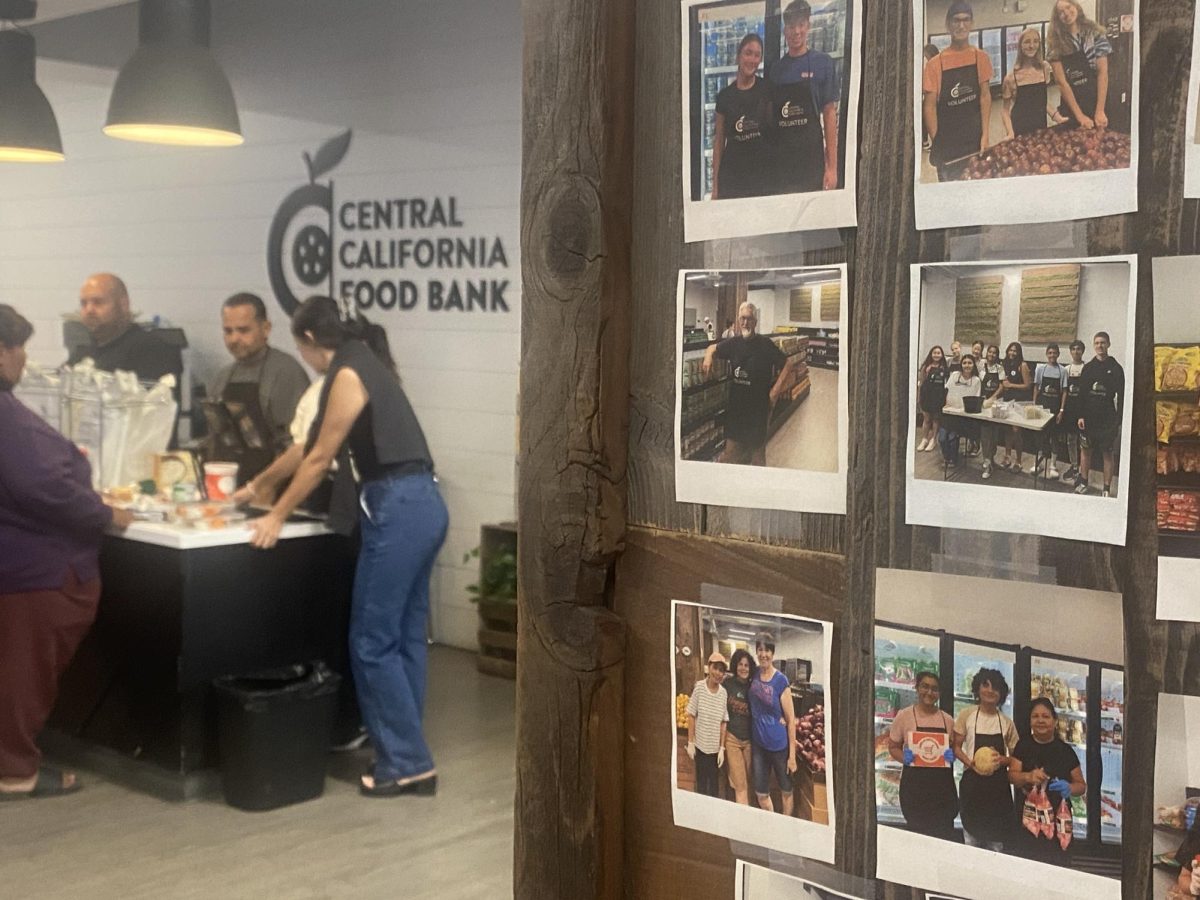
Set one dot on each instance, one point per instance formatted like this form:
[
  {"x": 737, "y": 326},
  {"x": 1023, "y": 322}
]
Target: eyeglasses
[
  {"x": 929, "y": 689},
  {"x": 961, "y": 20}
]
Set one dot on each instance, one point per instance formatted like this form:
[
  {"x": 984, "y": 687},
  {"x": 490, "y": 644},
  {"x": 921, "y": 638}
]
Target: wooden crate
[{"x": 497, "y": 633}]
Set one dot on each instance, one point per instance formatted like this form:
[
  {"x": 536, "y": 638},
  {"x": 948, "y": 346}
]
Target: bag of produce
[
  {"x": 1045, "y": 813},
  {"x": 1029, "y": 814}
]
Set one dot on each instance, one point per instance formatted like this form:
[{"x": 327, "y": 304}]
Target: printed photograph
[
  {"x": 1191, "y": 158},
  {"x": 769, "y": 114},
  {"x": 753, "y": 882},
  {"x": 1021, "y": 380},
  {"x": 998, "y": 736},
  {"x": 753, "y": 740},
  {"x": 1177, "y": 797},
  {"x": 1025, "y": 90},
  {"x": 761, "y": 387},
  {"x": 1177, "y": 429}
]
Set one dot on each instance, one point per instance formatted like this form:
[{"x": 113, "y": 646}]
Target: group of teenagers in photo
[
  {"x": 740, "y": 717},
  {"x": 1083, "y": 400},
  {"x": 778, "y": 134},
  {"x": 1017, "y": 784},
  {"x": 957, "y": 101}
]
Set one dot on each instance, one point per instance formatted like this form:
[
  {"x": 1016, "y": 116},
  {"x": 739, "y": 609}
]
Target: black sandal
[
  {"x": 51, "y": 782},
  {"x": 422, "y": 787}
]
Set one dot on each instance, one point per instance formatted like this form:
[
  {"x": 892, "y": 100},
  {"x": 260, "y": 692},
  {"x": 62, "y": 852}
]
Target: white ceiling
[{"x": 60, "y": 9}]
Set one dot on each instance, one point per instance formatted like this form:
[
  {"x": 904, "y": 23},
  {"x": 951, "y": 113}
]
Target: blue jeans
[
  {"x": 762, "y": 762},
  {"x": 404, "y": 523},
  {"x": 948, "y": 441}
]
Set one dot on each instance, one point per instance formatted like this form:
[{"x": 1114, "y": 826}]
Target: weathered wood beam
[{"x": 575, "y": 244}]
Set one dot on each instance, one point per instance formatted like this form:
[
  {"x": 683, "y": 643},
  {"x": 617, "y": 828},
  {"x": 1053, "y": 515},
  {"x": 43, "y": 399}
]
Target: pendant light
[
  {"x": 28, "y": 129},
  {"x": 172, "y": 91}
]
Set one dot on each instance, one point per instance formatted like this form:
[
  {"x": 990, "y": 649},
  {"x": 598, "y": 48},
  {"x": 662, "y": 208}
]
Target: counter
[{"x": 180, "y": 607}]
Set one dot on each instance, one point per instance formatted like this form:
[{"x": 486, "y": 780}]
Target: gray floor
[
  {"x": 808, "y": 439},
  {"x": 109, "y": 842}
]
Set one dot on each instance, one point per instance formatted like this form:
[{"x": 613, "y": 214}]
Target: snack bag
[
  {"x": 1164, "y": 419},
  {"x": 1064, "y": 824},
  {"x": 1161, "y": 354},
  {"x": 1177, "y": 369},
  {"x": 1193, "y": 357},
  {"x": 1187, "y": 421},
  {"x": 1045, "y": 813},
  {"x": 1029, "y": 815},
  {"x": 1162, "y": 463}
]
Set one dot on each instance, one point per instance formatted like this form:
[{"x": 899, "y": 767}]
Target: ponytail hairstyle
[{"x": 322, "y": 318}]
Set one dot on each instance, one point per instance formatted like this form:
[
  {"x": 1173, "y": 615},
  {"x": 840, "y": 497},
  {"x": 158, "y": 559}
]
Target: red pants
[{"x": 39, "y": 634}]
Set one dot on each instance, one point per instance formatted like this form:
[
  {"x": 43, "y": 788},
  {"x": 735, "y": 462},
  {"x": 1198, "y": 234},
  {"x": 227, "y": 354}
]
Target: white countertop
[{"x": 180, "y": 537}]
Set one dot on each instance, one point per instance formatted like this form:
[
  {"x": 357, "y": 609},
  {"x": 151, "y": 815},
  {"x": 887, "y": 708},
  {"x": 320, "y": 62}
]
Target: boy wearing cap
[
  {"x": 708, "y": 715},
  {"x": 957, "y": 104},
  {"x": 804, "y": 91}
]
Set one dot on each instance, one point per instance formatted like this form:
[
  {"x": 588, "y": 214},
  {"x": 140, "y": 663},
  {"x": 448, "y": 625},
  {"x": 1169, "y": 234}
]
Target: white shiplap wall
[{"x": 185, "y": 228}]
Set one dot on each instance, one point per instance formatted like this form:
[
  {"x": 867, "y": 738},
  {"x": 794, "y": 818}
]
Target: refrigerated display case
[
  {"x": 1112, "y": 741},
  {"x": 969, "y": 658},
  {"x": 900, "y": 653}
]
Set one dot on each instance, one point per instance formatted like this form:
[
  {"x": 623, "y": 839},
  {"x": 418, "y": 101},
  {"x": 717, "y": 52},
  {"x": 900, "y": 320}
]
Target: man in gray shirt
[{"x": 280, "y": 379}]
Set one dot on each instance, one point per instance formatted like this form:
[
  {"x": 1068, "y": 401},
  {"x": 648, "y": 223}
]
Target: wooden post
[{"x": 575, "y": 243}]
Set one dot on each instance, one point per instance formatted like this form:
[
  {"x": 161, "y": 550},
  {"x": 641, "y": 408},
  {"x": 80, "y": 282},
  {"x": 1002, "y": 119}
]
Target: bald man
[{"x": 117, "y": 343}]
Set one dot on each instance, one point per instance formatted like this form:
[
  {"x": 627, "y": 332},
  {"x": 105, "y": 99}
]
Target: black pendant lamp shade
[
  {"x": 172, "y": 91},
  {"x": 28, "y": 128}
]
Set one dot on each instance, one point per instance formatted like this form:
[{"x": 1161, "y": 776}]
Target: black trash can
[{"x": 273, "y": 732}]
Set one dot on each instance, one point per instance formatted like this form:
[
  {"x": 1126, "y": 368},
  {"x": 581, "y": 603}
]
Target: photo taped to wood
[
  {"x": 754, "y": 882},
  {"x": 998, "y": 737},
  {"x": 761, "y": 413},
  {"x": 1177, "y": 796},
  {"x": 1021, "y": 379},
  {"x": 1191, "y": 153},
  {"x": 751, "y": 734},
  {"x": 769, "y": 115},
  {"x": 1177, "y": 431},
  {"x": 1024, "y": 111}
]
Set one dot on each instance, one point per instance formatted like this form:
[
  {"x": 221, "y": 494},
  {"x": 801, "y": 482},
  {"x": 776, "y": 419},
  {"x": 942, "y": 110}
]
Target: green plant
[{"x": 497, "y": 575}]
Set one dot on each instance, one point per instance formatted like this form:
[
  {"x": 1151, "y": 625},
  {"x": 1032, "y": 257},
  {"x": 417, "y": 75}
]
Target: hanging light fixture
[
  {"x": 28, "y": 129},
  {"x": 172, "y": 91}
]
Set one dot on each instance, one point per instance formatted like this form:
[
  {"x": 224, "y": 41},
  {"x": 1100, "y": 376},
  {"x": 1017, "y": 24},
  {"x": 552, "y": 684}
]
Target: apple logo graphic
[{"x": 306, "y": 217}]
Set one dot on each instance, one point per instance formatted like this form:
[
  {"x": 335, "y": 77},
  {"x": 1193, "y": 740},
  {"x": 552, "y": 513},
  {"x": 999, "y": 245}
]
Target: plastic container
[
  {"x": 220, "y": 480},
  {"x": 273, "y": 733}
]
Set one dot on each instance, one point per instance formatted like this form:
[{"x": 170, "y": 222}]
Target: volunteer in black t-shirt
[
  {"x": 754, "y": 387},
  {"x": 117, "y": 342},
  {"x": 1103, "y": 400},
  {"x": 403, "y": 524},
  {"x": 739, "y": 144},
  {"x": 1043, "y": 760}
]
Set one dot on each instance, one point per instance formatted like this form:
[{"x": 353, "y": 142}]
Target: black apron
[
  {"x": 1082, "y": 79},
  {"x": 798, "y": 137},
  {"x": 1050, "y": 395},
  {"x": 1029, "y": 108},
  {"x": 987, "y": 800},
  {"x": 991, "y": 383},
  {"x": 933, "y": 391},
  {"x": 241, "y": 399},
  {"x": 1074, "y": 405},
  {"x": 744, "y": 162},
  {"x": 1012, "y": 374},
  {"x": 959, "y": 123},
  {"x": 927, "y": 797}
]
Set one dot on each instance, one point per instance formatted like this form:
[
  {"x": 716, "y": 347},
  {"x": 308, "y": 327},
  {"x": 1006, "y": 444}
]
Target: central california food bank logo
[{"x": 300, "y": 242}]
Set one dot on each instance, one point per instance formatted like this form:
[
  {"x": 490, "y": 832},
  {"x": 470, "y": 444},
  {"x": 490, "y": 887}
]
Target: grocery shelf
[
  {"x": 688, "y": 427},
  {"x": 697, "y": 388}
]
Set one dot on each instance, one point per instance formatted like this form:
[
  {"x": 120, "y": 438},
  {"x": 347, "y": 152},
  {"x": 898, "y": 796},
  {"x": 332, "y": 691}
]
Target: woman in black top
[
  {"x": 403, "y": 523},
  {"x": 737, "y": 733},
  {"x": 739, "y": 158},
  {"x": 1018, "y": 385},
  {"x": 1043, "y": 760},
  {"x": 931, "y": 395}
]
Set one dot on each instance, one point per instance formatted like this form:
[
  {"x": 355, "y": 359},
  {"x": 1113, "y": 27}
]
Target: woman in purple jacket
[{"x": 51, "y": 523}]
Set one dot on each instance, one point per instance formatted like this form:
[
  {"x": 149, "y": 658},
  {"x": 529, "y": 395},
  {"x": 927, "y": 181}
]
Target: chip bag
[
  {"x": 1065, "y": 825},
  {"x": 1177, "y": 366},
  {"x": 1164, "y": 419},
  {"x": 1161, "y": 354},
  {"x": 1187, "y": 421}
]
